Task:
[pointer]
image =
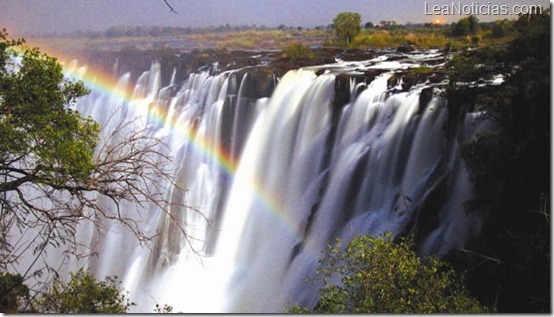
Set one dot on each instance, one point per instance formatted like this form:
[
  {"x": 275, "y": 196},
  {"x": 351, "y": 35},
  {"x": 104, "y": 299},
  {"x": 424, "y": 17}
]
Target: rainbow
[{"x": 98, "y": 80}]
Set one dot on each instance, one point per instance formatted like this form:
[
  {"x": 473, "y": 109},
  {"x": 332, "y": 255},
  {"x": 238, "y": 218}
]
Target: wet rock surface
[{"x": 264, "y": 66}]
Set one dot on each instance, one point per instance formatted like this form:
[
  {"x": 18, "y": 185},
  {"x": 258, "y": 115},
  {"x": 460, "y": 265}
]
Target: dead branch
[
  {"x": 130, "y": 165},
  {"x": 170, "y": 7}
]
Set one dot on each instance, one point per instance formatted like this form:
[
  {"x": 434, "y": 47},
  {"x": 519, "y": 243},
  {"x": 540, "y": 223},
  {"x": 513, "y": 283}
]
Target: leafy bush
[
  {"x": 297, "y": 50},
  {"x": 502, "y": 28},
  {"x": 380, "y": 276},
  {"x": 347, "y": 26},
  {"x": 380, "y": 39},
  {"x": 12, "y": 292},
  {"x": 84, "y": 294},
  {"x": 510, "y": 169},
  {"x": 465, "y": 68},
  {"x": 426, "y": 40}
]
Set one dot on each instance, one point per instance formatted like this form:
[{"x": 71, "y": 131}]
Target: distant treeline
[
  {"x": 144, "y": 31},
  {"x": 499, "y": 26}
]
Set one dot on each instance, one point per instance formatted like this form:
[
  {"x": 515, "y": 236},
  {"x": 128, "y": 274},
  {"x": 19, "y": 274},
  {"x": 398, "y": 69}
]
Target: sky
[{"x": 57, "y": 16}]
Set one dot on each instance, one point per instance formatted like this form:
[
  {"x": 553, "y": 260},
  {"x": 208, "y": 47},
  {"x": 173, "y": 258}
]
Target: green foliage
[
  {"x": 12, "y": 292},
  {"x": 297, "y": 50},
  {"x": 473, "y": 24},
  {"x": 465, "y": 33},
  {"x": 510, "y": 168},
  {"x": 466, "y": 26},
  {"x": 84, "y": 294},
  {"x": 461, "y": 28},
  {"x": 48, "y": 169},
  {"x": 380, "y": 39},
  {"x": 502, "y": 28},
  {"x": 521, "y": 109},
  {"x": 347, "y": 26},
  {"x": 422, "y": 70},
  {"x": 165, "y": 309},
  {"x": 378, "y": 275},
  {"x": 38, "y": 130},
  {"x": 464, "y": 68},
  {"x": 426, "y": 40}
]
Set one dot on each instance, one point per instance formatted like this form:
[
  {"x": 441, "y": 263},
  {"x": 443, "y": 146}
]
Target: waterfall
[{"x": 299, "y": 171}]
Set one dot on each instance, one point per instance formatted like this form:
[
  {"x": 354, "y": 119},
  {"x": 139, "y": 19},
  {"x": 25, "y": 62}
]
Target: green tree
[
  {"x": 53, "y": 143},
  {"x": 13, "y": 292},
  {"x": 502, "y": 28},
  {"x": 297, "y": 50},
  {"x": 461, "y": 28},
  {"x": 466, "y": 26},
  {"x": 84, "y": 294},
  {"x": 347, "y": 26},
  {"x": 52, "y": 172},
  {"x": 378, "y": 275},
  {"x": 464, "y": 68},
  {"x": 510, "y": 169},
  {"x": 473, "y": 24}
]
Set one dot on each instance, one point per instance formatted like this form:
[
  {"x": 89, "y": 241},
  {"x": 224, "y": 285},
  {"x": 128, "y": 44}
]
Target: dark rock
[
  {"x": 393, "y": 80},
  {"x": 342, "y": 92},
  {"x": 424, "y": 98},
  {"x": 437, "y": 77},
  {"x": 355, "y": 55},
  {"x": 407, "y": 48},
  {"x": 409, "y": 80},
  {"x": 393, "y": 58},
  {"x": 360, "y": 89},
  {"x": 262, "y": 80},
  {"x": 372, "y": 73}
]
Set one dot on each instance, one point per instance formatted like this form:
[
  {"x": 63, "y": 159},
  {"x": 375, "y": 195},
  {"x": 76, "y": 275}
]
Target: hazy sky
[{"x": 32, "y": 16}]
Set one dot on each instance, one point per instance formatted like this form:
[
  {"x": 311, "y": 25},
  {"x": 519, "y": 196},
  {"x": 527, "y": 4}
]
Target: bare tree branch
[
  {"x": 170, "y": 7},
  {"x": 130, "y": 165}
]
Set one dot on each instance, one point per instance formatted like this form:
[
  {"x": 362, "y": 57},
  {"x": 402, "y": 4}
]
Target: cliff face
[{"x": 186, "y": 62}]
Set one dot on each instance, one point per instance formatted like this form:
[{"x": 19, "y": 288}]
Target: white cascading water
[{"x": 304, "y": 176}]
